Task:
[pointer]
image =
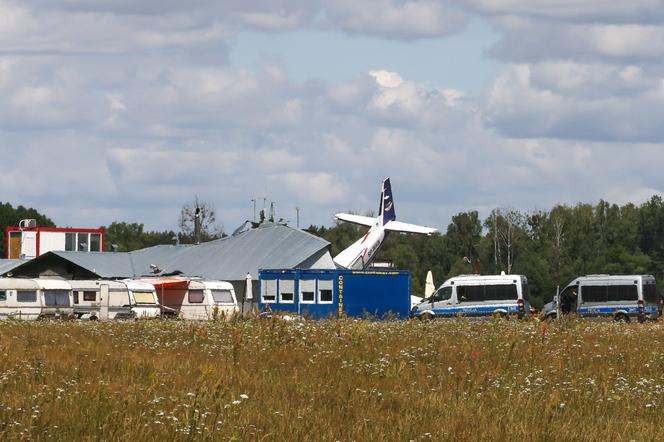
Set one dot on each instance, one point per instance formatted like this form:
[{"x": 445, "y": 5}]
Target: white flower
[{"x": 244, "y": 396}]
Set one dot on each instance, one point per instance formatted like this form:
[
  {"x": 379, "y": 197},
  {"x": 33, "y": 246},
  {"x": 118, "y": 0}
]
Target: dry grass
[{"x": 331, "y": 380}]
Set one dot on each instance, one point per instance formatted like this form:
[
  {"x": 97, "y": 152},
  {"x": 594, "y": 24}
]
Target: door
[
  {"x": 14, "y": 245},
  {"x": 442, "y": 300},
  {"x": 104, "y": 299}
]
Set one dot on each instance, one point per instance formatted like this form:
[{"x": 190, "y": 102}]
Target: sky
[{"x": 125, "y": 110}]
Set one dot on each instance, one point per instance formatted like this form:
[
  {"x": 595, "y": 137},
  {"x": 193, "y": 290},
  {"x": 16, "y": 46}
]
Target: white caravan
[
  {"x": 195, "y": 298},
  {"x": 35, "y": 298},
  {"x": 475, "y": 295},
  {"x": 124, "y": 299},
  {"x": 359, "y": 255}
]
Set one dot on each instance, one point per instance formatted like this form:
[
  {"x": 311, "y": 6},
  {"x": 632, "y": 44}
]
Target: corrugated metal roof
[
  {"x": 7, "y": 265},
  {"x": 229, "y": 258}
]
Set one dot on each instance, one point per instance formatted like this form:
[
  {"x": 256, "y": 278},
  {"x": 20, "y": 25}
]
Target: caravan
[
  {"x": 125, "y": 299},
  {"x": 195, "y": 298},
  {"x": 618, "y": 297},
  {"x": 35, "y": 298},
  {"x": 474, "y": 295}
]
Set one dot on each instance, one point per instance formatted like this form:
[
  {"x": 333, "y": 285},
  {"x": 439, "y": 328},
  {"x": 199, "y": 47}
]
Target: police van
[
  {"x": 475, "y": 295},
  {"x": 618, "y": 297}
]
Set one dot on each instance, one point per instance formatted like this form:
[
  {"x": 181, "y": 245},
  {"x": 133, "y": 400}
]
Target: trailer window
[
  {"x": 650, "y": 293},
  {"x": 622, "y": 293},
  {"x": 307, "y": 291},
  {"x": 26, "y": 296},
  {"x": 89, "y": 296},
  {"x": 3, "y": 295},
  {"x": 195, "y": 296},
  {"x": 286, "y": 290},
  {"x": 269, "y": 290},
  {"x": 222, "y": 296},
  {"x": 56, "y": 298},
  {"x": 325, "y": 295},
  {"x": 593, "y": 293},
  {"x": 144, "y": 297}
]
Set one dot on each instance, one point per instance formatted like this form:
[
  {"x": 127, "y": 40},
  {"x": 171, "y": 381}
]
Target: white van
[
  {"x": 619, "y": 297},
  {"x": 475, "y": 295},
  {"x": 35, "y": 298},
  {"x": 196, "y": 299},
  {"x": 105, "y": 299}
]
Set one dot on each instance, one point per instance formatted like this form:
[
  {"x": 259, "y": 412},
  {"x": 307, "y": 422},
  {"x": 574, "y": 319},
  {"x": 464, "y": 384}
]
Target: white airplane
[{"x": 360, "y": 254}]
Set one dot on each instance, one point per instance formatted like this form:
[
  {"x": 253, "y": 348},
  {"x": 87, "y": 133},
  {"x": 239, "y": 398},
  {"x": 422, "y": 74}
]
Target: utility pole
[
  {"x": 253, "y": 200},
  {"x": 297, "y": 216}
]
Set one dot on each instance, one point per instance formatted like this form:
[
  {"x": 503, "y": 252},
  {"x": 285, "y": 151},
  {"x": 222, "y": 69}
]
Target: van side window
[
  {"x": 622, "y": 293},
  {"x": 26, "y": 296},
  {"x": 593, "y": 293},
  {"x": 500, "y": 291},
  {"x": 3, "y": 295},
  {"x": 650, "y": 294},
  {"x": 473, "y": 293}
]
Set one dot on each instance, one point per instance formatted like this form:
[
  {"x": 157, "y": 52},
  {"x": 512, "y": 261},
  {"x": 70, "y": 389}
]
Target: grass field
[{"x": 331, "y": 380}]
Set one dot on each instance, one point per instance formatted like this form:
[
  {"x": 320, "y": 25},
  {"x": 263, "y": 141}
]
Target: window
[
  {"x": 442, "y": 294},
  {"x": 307, "y": 291},
  {"x": 56, "y": 298},
  {"x": 325, "y": 295},
  {"x": 622, "y": 293},
  {"x": 75, "y": 293},
  {"x": 89, "y": 296},
  {"x": 3, "y": 295},
  {"x": 95, "y": 242},
  {"x": 286, "y": 290},
  {"x": 70, "y": 242},
  {"x": 593, "y": 293},
  {"x": 83, "y": 240},
  {"x": 269, "y": 290},
  {"x": 500, "y": 292},
  {"x": 650, "y": 294},
  {"x": 195, "y": 296},
  {"x": 144, "y": 297},
  {"x": 222, "y": 296},
  {"x": 470, "y": 293},
  {"x": 26, "y": 296}
]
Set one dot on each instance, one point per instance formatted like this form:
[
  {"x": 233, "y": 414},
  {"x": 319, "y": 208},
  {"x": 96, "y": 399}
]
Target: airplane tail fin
[{"x": 386, "y": 211}]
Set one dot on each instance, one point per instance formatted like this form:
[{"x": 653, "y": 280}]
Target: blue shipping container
[{"x": 335, "y": 293}]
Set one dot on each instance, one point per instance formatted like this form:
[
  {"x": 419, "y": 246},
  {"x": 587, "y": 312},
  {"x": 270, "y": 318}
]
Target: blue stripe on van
[
  {"x": 475, "y": 310},
  {"x": 617, "y": 308}
]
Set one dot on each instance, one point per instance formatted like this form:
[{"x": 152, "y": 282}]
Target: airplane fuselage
[{"x": 362, "y": 251}]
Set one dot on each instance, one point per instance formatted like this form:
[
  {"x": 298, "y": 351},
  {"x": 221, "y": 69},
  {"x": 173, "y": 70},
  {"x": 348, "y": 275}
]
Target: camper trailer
[
  {"x": 126, "y": 299},
  {"x": 195, "y": 298},
  {"x": 35, "y": 298}
]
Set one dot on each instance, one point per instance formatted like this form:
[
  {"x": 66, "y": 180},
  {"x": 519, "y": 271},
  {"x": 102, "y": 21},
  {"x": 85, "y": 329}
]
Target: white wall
[{"x": 50, "y": 241}]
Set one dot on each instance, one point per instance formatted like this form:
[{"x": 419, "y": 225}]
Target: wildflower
[{"x": 244, "y": 396}]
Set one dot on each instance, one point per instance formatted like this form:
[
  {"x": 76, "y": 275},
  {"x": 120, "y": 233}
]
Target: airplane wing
[
  {"x": 356, "y": 219},
  {"x": 398, "y": 226}
]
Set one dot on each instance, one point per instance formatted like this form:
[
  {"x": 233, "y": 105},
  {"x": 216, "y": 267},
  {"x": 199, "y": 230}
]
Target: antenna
[{"x": 197, "y": 223}]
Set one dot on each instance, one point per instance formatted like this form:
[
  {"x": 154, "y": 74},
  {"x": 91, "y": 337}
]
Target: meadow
[{"x": 331, "y": 380}]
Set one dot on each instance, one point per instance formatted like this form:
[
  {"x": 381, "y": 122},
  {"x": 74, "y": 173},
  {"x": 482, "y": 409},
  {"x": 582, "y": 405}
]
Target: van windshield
[
  {"x": 144, "y": 298},
  {"x": 56, "y": 298},
  {"x": 442, "y": 294}
]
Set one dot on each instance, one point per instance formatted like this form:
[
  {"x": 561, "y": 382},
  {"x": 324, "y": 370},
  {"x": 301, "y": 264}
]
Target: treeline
[{"x": 549, "y": 247}]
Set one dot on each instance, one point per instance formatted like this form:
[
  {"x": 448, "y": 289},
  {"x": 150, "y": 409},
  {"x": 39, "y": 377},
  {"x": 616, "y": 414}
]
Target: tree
[
  {"x": 206, "y": 215},
  {"x": 131, "y": 236}
]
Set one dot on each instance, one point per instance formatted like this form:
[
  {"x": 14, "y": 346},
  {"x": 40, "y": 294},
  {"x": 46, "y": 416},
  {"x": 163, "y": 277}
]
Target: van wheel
[
  {"x": 500, "y": 315},
  {"x": 621, "y": 317},
  {"x": 426, "y": 316},
  {"x": 551, "y": 317},
  {"x": 93, "y": 318}
]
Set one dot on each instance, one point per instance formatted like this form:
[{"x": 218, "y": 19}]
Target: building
[
  {"x": 229, "y": 259},
  {"x": 336, "y": 292},
  {"x": 28, "y": 241}
]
